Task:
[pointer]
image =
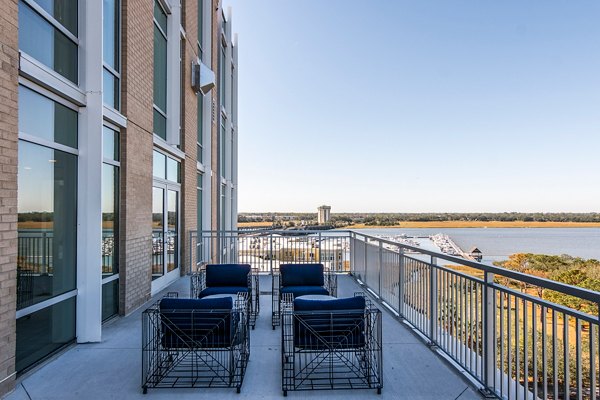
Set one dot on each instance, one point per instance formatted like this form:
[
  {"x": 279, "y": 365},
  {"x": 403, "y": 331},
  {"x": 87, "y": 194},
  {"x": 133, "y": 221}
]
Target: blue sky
[{"x": 418, "y": 106}]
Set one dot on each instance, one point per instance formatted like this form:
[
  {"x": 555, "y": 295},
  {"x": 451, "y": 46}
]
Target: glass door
[
  {"x": 165, "y": 235},
  {"x": 158, "y": 229},
  {"x": 172, "y": 230}
]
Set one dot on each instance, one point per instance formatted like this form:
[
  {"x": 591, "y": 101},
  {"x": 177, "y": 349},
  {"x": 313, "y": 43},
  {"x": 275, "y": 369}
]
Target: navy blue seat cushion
[
  {"x": 222, "y": 290},
  {"x": 329, "y": 324},
  {"x": 304, "y": 290},
  {"x": 301, "y": 275},
  {"x": 197, "y": 323},
  {"x": 227, "y": 274}
]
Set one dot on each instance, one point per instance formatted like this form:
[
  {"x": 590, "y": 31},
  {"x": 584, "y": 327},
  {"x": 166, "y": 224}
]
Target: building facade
[
  {"x": 110, "y": 157},
  {"x": 324, "y": 214}
]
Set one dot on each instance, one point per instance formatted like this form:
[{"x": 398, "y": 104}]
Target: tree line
[{"x": 388, "y": 219}]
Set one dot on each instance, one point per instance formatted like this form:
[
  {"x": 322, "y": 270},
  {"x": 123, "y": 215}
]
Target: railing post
[
  {"x": 320, "y": 248},
  {"x": 352, "y": 252},
  {"x": 401, "y": 283},
  {"x": 271, "y": 252},
  {"x": 380, "y": 268},
  {"x": 45, "y": 248},
  {"x": 366, "y": 258},
  {"x": 489, "y": 327},
  {"x": 433, "y": 300}
]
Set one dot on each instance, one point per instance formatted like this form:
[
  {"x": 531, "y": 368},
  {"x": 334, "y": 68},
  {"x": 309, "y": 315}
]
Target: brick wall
[
  {"x": 9, "y": 64},
  {"x": 136, "y": 154}
]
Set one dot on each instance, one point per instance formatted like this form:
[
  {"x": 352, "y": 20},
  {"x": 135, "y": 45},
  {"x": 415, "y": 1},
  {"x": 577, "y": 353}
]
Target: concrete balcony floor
[{"x": 112, "y": 369}]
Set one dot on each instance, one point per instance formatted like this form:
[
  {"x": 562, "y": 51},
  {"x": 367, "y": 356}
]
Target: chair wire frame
[
  {"x": 330, "y": 283},
  {"x": 195, "y": 348},
  {"x": 325, "y": 350},
  {"x": 198, "y": 284}
]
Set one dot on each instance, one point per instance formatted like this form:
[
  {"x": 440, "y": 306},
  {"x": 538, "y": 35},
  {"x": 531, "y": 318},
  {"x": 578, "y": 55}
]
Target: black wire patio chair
[
  {"x": 195, "y": 343},
  {"x": 331, "y": 344},
  {"x": 211, "y": 279},
  {"x": 299, "y": 280}
]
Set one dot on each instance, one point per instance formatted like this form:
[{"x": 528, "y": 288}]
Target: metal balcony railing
[{"x": 488, "y": 321}]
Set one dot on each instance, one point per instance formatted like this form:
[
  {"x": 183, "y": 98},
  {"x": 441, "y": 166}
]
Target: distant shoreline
[{"x": 479, "y": 224}]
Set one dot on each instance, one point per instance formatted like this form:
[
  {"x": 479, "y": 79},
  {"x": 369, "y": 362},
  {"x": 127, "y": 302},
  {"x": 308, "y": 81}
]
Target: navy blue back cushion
[
  {"x": 227, "y": 274},
  {"x": 329, "y": 324},
  {"x": 348, "y": 303},
  {"x": 301, "y": 274},
  {"x": 196, "y": 323}
]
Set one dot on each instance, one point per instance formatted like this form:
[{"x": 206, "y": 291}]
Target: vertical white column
[
  {"x": 207, "y": 118},
  {"x": 228, "y": 123},
  {"x": 89, "y": 207},
  {"x": 234, "y": 121},
  {"x": 174, "y": 73}
]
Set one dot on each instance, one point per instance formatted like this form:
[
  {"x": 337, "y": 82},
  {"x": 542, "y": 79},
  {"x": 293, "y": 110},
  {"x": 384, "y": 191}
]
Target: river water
[{"x": 499, "y": 243}]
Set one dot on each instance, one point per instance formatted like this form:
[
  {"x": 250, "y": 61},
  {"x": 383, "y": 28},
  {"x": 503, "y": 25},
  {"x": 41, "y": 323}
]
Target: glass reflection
[
  {"x": 39, "y": 39},
  {"x": 110, "y": 94},
  {"x": 64, "y": 11},
  {"x": 158, "y": 254},
  {"x": 172, "y": 229},
  {"x": 172, "y": 170},
  {"x": 43, "y": 332},
  {"x": 110, "y": 144},
  {"x": 110, "y": 218},
  {"x": 110, "y": 299},
  {"x": 158, "y": 165},
  {"x": 47, "y": 224},
  {"x": 41, "y": 117}
]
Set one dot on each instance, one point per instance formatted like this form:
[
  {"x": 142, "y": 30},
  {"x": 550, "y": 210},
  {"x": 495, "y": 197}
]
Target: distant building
[
  {"x": 476, "y": 254},
  {"x": 324, "y": 214}
]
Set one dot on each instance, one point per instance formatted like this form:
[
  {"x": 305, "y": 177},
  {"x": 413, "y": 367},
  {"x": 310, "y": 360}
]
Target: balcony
[{"x": 452, "y": 328}]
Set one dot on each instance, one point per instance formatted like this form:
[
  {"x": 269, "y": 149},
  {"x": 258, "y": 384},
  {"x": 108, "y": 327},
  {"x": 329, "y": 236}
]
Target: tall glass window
[
  {"x": 222, "y": 75},
  {"x": 47, "y": 224},
  {"x": 47, "y": 227},
  {"x": 111, "y": 53},
  {"x": 222, "y": 151},
  {"x": 223, "y": 188},
  {"x": 199, "y": 201},
  {"x": 200, "y": 26},
  {"x": 165, "y": 215},
  {"x": 110, "y": 223},
  {"x": 199, "y": 140},
  {"x": 46, "y": 119},
  {"x": 160, "y": 71},
  {"x": 199, "y": 212},
  {"x": 48, "y": 33}
]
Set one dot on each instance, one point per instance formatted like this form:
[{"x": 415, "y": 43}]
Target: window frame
[
  {"x": 110, "y": 69},
  {"x": 47, "y": 17}
]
